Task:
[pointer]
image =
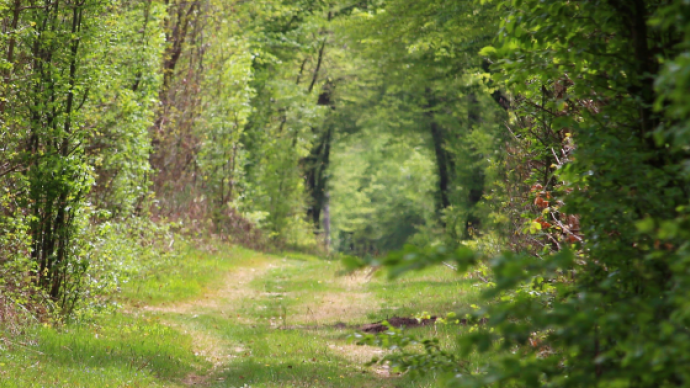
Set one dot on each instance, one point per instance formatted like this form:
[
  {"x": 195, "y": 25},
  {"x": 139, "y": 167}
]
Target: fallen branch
[{"x": 22, "y": 345}]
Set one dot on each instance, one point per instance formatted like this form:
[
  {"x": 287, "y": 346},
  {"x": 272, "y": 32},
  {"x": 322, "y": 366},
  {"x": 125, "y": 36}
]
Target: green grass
[
  {"x": 234, "y": 318},
  {"x": 122, "y": 351},
  {"x": 436, "y": 290},
  {"x": 186, "y": 275}
]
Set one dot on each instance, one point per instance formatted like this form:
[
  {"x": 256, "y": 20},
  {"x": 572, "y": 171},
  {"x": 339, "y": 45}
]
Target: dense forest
[{"x": 541, "y": 146}]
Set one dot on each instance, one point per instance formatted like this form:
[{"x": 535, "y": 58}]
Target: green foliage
[
  {"x": 381, "y": 192},
  {"x": 57, "y": 175},
  {"x": 225, "y": 115},
  {"x": 120, "y": 104},
  {"x": 423, "y": 82},
  {"x": 595, "y": 294},
  {"x": 19, "y": 296},
  {"x": 286, "y": 119},
  {"x": 614, "y": 322},
  {"x": 120, "y": 252},
  {"x": 434, "y": 359},
  {"x": 81, "y": 81}
]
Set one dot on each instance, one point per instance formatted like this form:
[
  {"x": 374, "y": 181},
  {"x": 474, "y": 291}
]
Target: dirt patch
[
  {"x": 379, "y": 327},
  {"x": 362, "y": 354},
  {"x": 215, "y": 351},
  {"x": 330, "y": 307},
  {"x": 358, "y": 354},
  {"x": 235, "y": 287},
  {"x": 210, "y": 348},
  {"x": 194, "y": 380},
  {"x": 357, "y": 279}
]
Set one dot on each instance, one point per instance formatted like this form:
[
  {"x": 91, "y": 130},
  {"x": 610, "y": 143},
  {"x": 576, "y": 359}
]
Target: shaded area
[{"x": 379, "y": 327}]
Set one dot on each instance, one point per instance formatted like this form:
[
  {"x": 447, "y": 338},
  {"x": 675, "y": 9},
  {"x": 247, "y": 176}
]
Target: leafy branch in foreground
[
  {"x": 603, "y": 303},
  {"x": 402, "y": 359}
]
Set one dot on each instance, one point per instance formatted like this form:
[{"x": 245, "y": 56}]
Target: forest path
[
  {"x": 234, "y": 318},
  {"x": 279, "y": 321},
  {"x": 284, "y": 321}
]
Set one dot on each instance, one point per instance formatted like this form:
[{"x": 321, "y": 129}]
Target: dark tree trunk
[
  {"x": 443, "y": 159},
  {"x": 316, "y": 164},
  {"x": 472, "y": 223},
  {"x": 442, "y": 164}
]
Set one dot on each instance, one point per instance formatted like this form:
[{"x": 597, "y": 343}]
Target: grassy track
[{"x": 236, "y": 318}]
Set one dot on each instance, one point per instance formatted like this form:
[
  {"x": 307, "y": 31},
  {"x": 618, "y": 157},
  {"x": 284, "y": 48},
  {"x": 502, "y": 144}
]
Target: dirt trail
[
  {"x": 235, "y": 287},
  {"x": 345, "y": 301}
]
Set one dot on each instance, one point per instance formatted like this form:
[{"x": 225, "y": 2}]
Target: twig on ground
[{"x": 22, "y": 345}]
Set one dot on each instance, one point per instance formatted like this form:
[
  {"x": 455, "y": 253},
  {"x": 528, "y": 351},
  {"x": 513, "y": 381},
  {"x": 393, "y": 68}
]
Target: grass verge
[
  {"x": 121, "y": 351},
  {"x": 188, "y": 274}
]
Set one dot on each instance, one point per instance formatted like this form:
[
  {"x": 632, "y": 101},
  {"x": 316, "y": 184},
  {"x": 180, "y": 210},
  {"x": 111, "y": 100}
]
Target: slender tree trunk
[
  {"x": 476, "y": 191},
  {"x": 442, "y": 165},
  {"x": 10, "y": 50},
  {"x": 442, "y": 157},
  {"x": 327, "y": 222}
]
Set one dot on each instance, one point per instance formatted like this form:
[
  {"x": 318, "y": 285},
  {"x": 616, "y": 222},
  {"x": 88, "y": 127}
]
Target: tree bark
[{"x": 442, "y": 158}]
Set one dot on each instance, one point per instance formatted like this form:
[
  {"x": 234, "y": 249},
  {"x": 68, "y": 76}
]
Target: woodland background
[{"x": 542, "y": 143}]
